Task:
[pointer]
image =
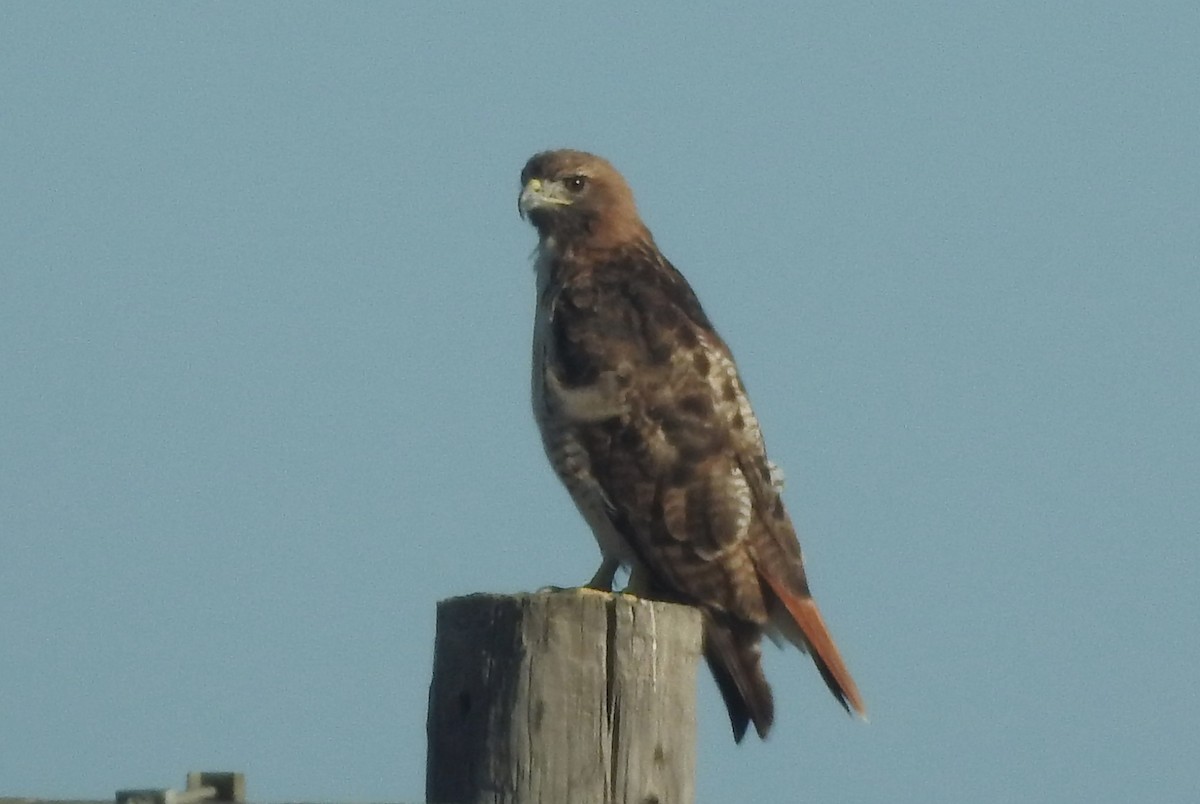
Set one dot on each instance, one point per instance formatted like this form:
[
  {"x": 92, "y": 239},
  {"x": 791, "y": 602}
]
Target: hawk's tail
[
  {"x": 803, "y": 613},
  {"x": 731, "y": 648}
]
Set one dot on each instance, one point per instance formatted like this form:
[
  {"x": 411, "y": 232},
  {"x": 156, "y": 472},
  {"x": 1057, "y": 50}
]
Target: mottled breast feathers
[{"x": 669, "y": 460}]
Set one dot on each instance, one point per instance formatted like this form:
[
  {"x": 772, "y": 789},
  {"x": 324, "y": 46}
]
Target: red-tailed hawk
[{"x": 645, "y": 420}]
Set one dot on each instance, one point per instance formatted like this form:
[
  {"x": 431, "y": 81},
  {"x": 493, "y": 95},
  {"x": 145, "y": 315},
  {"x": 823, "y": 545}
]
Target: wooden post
[{"x": 571, "y": 697}]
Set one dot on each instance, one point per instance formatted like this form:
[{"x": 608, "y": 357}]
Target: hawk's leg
[
  {"x": 640, "y": 582},
  {"x": 603, "y": 579},
  {"x": 603, "y": 399}
]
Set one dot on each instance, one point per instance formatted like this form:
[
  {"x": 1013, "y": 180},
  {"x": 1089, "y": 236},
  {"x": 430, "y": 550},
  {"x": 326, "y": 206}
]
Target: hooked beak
[{"x": 537, "y": 194}]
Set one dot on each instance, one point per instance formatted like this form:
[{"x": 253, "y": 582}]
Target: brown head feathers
[{"x": 579, "y": 200}]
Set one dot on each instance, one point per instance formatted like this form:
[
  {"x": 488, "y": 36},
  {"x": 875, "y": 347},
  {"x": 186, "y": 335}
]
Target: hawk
[{"x": 646, "y": 422}]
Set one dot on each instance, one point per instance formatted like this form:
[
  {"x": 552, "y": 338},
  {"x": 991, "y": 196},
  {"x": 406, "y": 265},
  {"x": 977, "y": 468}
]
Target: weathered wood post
[{"x": 571, "y": 697}]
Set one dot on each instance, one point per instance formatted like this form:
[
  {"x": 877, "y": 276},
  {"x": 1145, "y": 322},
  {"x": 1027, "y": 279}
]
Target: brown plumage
[{"x": 645, "y": 420}]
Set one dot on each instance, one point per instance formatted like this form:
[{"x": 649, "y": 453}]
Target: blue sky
[{"x": 265, "y": 308}]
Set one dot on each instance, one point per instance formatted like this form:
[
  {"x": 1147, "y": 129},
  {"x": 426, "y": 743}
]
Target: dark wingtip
[
  {"x": 735, "y": 703},
  {"x": 732, "y": 653}
]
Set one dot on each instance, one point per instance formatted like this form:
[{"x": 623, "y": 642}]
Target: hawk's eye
[{"x": 576, "y": 183}]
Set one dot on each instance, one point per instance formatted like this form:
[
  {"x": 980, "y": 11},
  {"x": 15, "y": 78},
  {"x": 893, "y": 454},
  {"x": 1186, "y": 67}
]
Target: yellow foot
[
  {"x": 602, "y": 581},
  {"x": 579, "y": 590}
]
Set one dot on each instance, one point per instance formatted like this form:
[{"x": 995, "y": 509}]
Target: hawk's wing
[{"x": 677, "y": 451}]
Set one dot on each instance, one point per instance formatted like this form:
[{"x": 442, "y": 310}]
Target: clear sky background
[{"x": 265, "y": 311}]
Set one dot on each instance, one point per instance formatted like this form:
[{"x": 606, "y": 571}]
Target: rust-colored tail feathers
[
  {"x": 731, "y": 648},
  {"x": 804, "y": 613}
]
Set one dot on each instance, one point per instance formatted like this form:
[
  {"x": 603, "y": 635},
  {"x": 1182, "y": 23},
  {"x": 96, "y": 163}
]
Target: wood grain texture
[{"x": 574, "y": 696}]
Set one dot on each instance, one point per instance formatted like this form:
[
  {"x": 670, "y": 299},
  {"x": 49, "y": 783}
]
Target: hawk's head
[{"x": 573, "y": 197}]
